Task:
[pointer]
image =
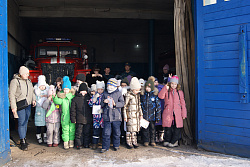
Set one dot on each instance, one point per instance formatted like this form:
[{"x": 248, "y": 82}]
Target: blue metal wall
[
  {"x": 4, "y": 106},
  {"x": 222, "y": 65}
]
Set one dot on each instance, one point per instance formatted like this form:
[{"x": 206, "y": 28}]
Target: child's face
[
  {"x": 83, "y": 92},
  {"x": 100, "y": 91},
  {"x": 136, "y": 91},
  {"x": 123, "y": 85},
  {"x": 58, "y": 84},
  {"x": 156, "y": 83},
  {"x": 42, "y": 87},
  {"x": 148, "y": 89},
  {"x": 79, "y": 82},
  {"x": 92, "y": 92},
  {"x": 66, "y": 90},
  {"x": 173, "y": 85}
]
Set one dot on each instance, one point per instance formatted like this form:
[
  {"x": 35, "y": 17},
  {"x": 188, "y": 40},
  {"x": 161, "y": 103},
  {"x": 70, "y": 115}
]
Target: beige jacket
[
  {"x": 18, "y": 92},
  {"x": 132, "y": 111}
]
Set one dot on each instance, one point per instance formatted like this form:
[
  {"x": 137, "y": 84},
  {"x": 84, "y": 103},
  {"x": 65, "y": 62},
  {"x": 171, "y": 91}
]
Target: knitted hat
[
  {"x": 83, "y": 87},
  {"x": 41, "y": 80},
  {"x": 150, "y": 84},
  {"x": 112, "y": 81},
  {"x": 166, "y": 67},
  {"x": 100, "y": 85},
  {"x": 23, "y": 70},
  {"x": 135, "y": 84},
  {"x": 81, "y": 77},
  {"x": 51, "y": 90},
  {"x": 175, "y": 79},
  {"x": 66, "y": 82},
  {"x": 142, "y": 82},
  {"x": 93, "y": 88},
  {"x": 125, "y": 80},
  {"x": 152, "y": 78}
]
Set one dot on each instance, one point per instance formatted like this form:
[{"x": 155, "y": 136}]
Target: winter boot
[
  {"x": 134, "y": 140},
  {"x": 157, "y": 137},
  {"x": 161, "y": 136},
  {"x": 94, "y": 146},
  {"x": 44, "y": 137},
  {"x": 26, "y": 141},
  {"x": 146, "y": 144},
  {"x": 128, "y": 140},
  {"x": 165, "y": 144},
  {"x": 173, "y": 145},
  {"x": 66, "y": 145},
  {"x": 24, "y": 145},
  {"x": 71, "y": 143},
  {"x": 39, "y": 138}
]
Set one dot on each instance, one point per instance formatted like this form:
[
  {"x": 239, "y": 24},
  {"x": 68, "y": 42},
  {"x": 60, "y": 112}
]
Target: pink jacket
[{"x": 174, "y": 103}]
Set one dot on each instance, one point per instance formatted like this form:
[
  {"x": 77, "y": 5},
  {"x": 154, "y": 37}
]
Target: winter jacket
[
  {"x": 97, "y": 118},
  {"x": 112, "y": 114},
  {"x": 151, "y": 106},
  {"x": 80, "y": 112},
  {"x": 174, "y": 105},
  {"x": 40, "y": 112},
  {"x": 55, "y": 116},
  {"x": 159, "y": 87},
  {"x": 132, "y": 111},
  {"x": 18, "y": 92},
  {"x": 65, "y": 101}
]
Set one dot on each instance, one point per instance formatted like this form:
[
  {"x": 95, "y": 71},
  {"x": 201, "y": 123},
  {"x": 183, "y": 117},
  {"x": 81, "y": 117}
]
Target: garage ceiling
[{"x": 92, "y": 16}]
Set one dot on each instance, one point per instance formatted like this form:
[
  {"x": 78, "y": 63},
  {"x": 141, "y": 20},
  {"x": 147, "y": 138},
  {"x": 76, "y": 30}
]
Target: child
[
  {"x": 52, "y": 119},
  {"x": 132, "y": 113},
  {"x": 41, "y": 92},
  {"x": 174, "y": 112},
  {"x": 97, "y": 118},
  {"x": 58, "y": 84},
  {"x": 80, "y": 113},
  {"x": 64, "y": 98},
  {"x": 112, "y": 102},
  {"x": 151, "y": 109},
  {"x": 158, "y": 126}
]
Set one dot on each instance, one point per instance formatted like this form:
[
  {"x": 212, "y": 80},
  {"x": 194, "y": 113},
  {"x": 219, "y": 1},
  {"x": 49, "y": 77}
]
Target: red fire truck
[{"x": 57, "y": 57}]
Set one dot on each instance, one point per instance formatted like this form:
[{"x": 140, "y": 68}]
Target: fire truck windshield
[{"x": 52, "y": 51}]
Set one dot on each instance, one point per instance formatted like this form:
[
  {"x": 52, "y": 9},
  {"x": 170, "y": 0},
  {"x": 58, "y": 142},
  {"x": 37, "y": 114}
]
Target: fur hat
[
  {"x": 152, "y": 78},
  {"x": 150, "y": 84},
  {"x": 175, "y": 79},
  {"x": 93, "y": 88},
  {"x": 41, "y": 80},
  {"x": 142, "y": 82},
  {"x": 135, "y": 84},
  {"x": 66, "y": 83},
  {"x": 23, "y": 70},
  {"x": 166, "y": 67},
  {"x": 83, "y": 87},
  {"x": 81, "y": 77},
  {"x": 112, "y": 81},
  {"x": 51, "y": 90},
  {"x": 100, "y": 85}
]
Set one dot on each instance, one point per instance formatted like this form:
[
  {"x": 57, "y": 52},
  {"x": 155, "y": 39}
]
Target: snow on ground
[{"x": 177, "y": 161}]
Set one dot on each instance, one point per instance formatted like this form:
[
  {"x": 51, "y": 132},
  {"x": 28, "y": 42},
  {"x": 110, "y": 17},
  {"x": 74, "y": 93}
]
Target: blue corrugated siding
[
  {"x": 223, "y": 123},
  {"x": 4, "y": 110}
]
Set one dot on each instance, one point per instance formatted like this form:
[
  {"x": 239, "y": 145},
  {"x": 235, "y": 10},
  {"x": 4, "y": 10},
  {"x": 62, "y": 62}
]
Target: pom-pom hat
[{"x": 66, "y": 83}]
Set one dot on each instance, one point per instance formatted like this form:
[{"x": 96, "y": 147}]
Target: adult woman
[{"x": 21, "y": 88}]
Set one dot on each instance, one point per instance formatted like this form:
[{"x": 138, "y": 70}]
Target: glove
[{"x": 95, "y": 97}]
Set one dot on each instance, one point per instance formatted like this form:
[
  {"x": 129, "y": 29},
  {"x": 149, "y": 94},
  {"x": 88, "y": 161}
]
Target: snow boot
[
  {"x": 161, "y": 136},
  {"x": 66, "y": 145},
  {"x": 39, "y": 138},
  {"x": 24, "y": 145},
  {"x": 128, "y": 140},
  {"x": 173, "y": 145},
  {"x": 134, "y": 140},
  {"x": 44, "y": 137},
  {"x": 71, "y": 143}
]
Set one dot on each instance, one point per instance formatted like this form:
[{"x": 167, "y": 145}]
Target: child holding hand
[{"x": 174, "y": 111}]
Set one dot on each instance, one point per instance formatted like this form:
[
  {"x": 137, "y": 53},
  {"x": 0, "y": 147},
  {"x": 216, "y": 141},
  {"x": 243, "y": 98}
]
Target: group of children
[{"x": 122, "y": 109}]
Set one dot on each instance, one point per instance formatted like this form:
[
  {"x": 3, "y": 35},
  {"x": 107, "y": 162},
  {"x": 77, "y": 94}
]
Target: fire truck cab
[{"x": 57, "y": 57}]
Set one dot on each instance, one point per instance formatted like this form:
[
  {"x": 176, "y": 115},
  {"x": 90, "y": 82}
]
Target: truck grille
[{"x": 52, "y": 71}]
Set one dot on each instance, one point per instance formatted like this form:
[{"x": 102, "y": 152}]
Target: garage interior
[{"x": 115, "y": 32}]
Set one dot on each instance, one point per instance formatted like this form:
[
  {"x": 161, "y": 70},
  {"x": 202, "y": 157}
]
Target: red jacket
[{"x": 174, "y": 103}]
